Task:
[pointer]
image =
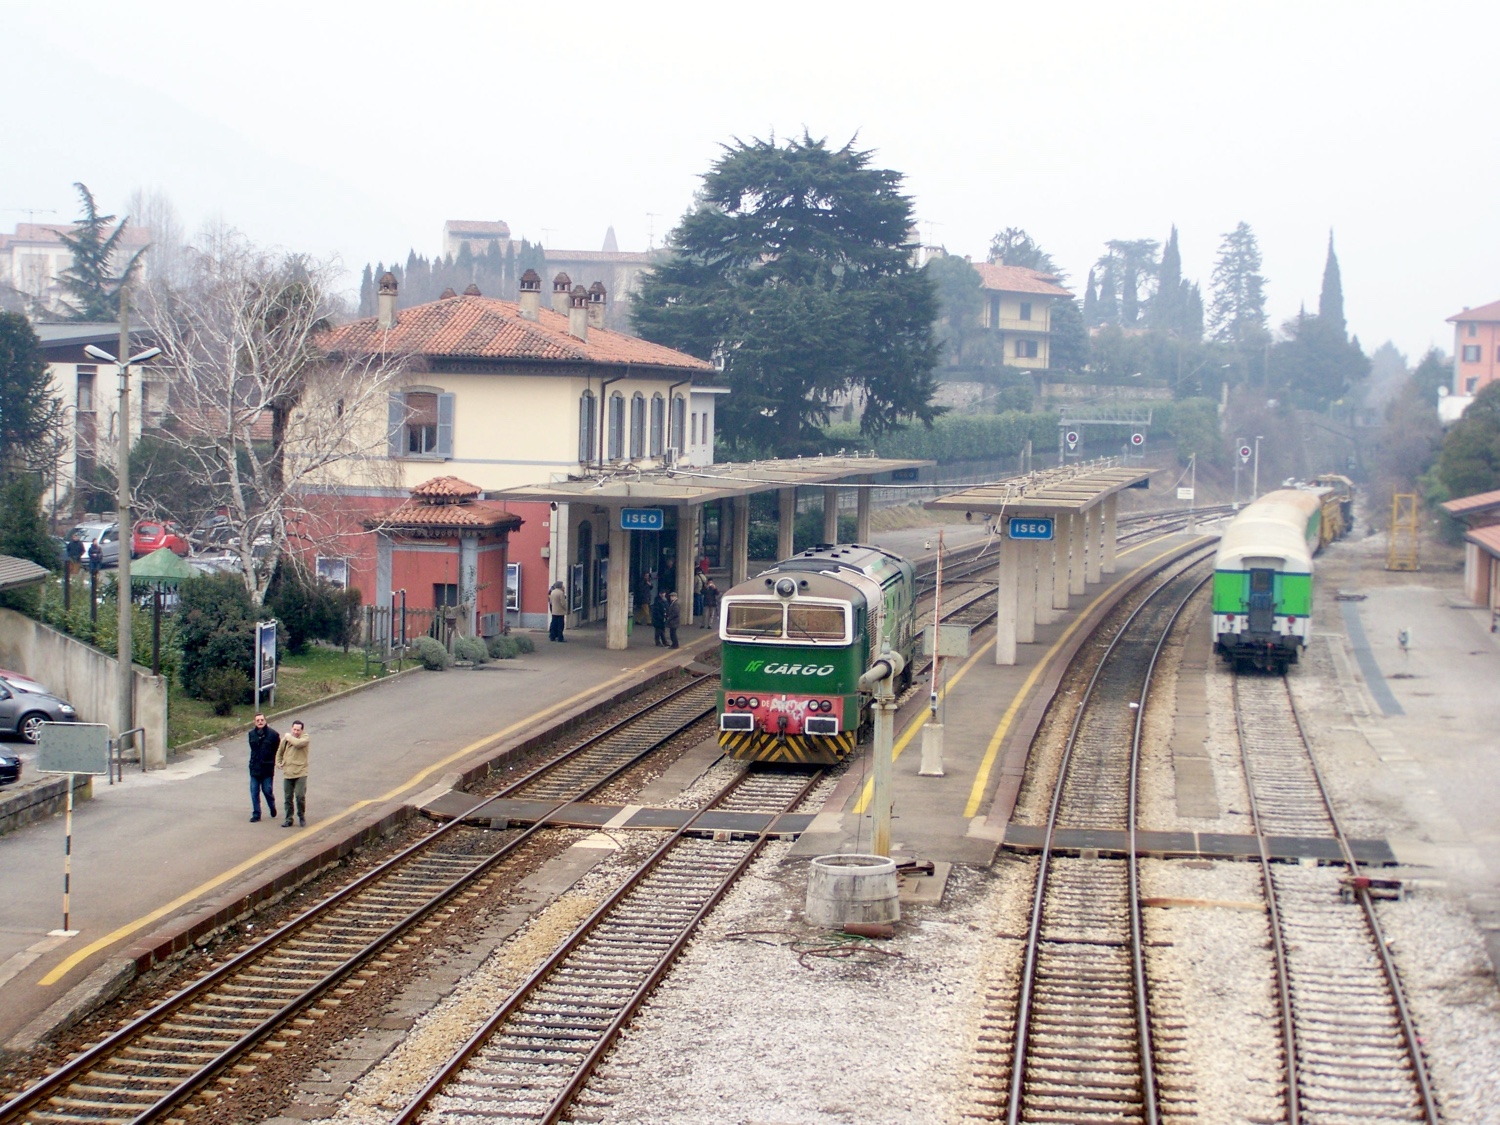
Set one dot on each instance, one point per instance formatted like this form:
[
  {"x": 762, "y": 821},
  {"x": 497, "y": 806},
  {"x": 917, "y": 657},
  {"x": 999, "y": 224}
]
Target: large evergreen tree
[
  {"x": 30, "y": 416},
  {"x": 92, "y": 284},
  {"x": 794, "y": 272},
  {"x": 1014, "y": 247},
  {"x": 1331, "y": 299},
  {"x": 1237, "y": 314},
  {"x": 1166, "y": 306},
  {"x": 1470, "y": 459},
  {"x": 1068, "y": 343}
]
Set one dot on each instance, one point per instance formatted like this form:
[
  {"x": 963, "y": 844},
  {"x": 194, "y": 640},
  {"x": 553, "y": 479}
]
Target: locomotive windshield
[
  {"x": 754, "y": 619},
  {"x": 815, "y": 622}
]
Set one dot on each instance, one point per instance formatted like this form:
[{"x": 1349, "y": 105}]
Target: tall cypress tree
[
  {"x": 367, "y": 305},
  {"x": 1331, "y": 300},
  {"x": 1167, "y": 305},
  {"x": 93, "y": 288},
  {"x": 1091, "y": 301}
]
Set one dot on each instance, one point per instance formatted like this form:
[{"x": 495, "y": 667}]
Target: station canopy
[
  {"x": 1072, "y": 488},
  {"x": 687, "y": 484}
]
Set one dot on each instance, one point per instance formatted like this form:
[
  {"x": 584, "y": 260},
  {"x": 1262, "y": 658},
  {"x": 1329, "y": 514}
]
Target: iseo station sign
[
  {"x": 1038, "y": 528},
  {"x": 642, "y": 519}
]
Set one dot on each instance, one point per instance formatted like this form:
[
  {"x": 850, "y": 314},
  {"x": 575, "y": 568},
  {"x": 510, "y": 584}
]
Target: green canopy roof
[{"x": 162, "y": 566}]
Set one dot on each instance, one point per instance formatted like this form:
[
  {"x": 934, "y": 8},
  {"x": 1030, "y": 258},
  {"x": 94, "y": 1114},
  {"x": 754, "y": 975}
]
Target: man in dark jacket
[
  {"x": 263, "y": 743},
  {"x": 659, "y": 617},
  {"x": 674, "y": 616}
]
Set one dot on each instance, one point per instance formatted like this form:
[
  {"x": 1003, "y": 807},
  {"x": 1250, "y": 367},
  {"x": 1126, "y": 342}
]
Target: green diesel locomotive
[{"x": 797, "y": 638}]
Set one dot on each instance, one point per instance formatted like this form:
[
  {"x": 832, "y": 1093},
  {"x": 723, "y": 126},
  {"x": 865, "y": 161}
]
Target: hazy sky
[{"x": 355, "y": 129}]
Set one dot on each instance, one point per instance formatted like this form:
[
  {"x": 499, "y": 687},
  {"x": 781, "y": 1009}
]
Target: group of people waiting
[{"x": 655, "y": 600}]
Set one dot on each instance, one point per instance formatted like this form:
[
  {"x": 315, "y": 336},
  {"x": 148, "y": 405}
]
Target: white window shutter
[
  {"x": 395, "y": 422},
  {"x": 445, "y": 426}
]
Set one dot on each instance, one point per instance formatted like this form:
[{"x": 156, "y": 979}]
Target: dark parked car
[
  {"x": 24, "y": 712},
  {"x": 10, "y": 768}
]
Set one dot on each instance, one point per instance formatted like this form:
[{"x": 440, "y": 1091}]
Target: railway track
[
  {"x": 532, "y": 1058},
  {"x": 187, "y": 1045},
  {"x": 1079, "y": 1029},
  {"x": 1350, "y": 1048}
]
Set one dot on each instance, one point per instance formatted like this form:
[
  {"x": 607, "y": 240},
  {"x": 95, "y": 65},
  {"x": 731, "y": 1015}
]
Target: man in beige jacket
[{"x": 291, "y": 760}]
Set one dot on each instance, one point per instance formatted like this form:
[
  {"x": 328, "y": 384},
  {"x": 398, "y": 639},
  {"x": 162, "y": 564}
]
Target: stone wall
[{"x": 85, "y": 677}]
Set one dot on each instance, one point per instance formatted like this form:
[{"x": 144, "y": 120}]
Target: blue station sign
[
  {"x": 642, "y": 519},
  {"x": 1024, "y": 527}
]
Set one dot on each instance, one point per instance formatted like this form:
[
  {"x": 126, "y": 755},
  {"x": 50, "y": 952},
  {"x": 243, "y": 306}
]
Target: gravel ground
[{"x": 851, "y": 1031}]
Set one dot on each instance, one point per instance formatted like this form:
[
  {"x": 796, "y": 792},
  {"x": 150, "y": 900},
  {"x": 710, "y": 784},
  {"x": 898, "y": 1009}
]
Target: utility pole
[
  {"x": 1255, "y": 473},
  {"x": 125, "y": 716},
  {"x": 880, "y": 679}
]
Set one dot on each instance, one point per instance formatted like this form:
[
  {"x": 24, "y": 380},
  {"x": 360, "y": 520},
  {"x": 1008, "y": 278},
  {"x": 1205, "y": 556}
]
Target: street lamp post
[
  {"x": 1255, "y": 472},
  {"x": 125, "y": 714}
]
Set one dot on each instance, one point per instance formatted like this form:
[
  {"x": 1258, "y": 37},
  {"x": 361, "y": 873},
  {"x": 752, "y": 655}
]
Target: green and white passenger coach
[
  {"x": 797, "y": 638},
  {"x": 1263, "y": 576}
]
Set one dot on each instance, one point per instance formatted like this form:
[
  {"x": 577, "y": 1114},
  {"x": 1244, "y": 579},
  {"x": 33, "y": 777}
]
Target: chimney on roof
[
  {"x": 446, "y": 293},
  {"x": 578, "y": 312},
  {"x": 531, "y": 294},
  {"x": 387, "y": 301},
  {"x": 562, "y": 288},
  {"x": 596, "y": 305},
  {"x": 472, "y": 290}
]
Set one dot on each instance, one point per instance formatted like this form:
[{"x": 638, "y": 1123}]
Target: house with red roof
[
  {"x": 1480, "y": 514},
  {"x": 496, "y": 394},
  {"x": 1476, "y": 348},
  {"x": 1018, "y": 306}
]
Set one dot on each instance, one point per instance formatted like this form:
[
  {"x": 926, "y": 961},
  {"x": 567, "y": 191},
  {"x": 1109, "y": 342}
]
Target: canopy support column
[
  {"x": 786, "y": 522},
  {"x": 687, "y": 539},
  {"x": 1075, "y": 553},
  {"x": 1062, "y": 549},
  {"x": 1005, "y": 616},
  {"x": 1046, "y": 564},
  {"x": 739, "y": 551},
  {"x": 1026, "y": 563},
  {"x": 862, "y": 512},
  {"x": 617, "y": 601},
  {"x": 1091, "y": 535},
  {"x": 1111, "y": 530},
  {"x": 830, "y": 514}
]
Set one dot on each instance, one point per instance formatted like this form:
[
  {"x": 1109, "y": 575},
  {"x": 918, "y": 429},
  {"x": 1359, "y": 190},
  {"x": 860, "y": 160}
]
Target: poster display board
[
  {"x": 513, "y": 587},
  {"x": 265, "y": 656}
]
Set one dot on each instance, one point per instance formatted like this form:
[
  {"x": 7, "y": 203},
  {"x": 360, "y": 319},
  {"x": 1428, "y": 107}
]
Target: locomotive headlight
[
  {"x": 826, "y": 705},
  {"x": 754, "y": 702},
  {"x": 785, "y": 587},
  {"x": 740, "y": 702}
]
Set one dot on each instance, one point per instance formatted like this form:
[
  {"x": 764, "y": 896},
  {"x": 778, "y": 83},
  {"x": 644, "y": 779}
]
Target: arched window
[
  {"x": 616, "y": 426},
  {"x": 678, "y": 437},
  {"x": 658, "y": 424},
  {"x": 638, "y": 426},
  {"x": 587, "y": 422}
]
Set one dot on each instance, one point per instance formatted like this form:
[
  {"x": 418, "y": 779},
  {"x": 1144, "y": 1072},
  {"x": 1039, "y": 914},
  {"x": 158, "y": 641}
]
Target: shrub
[
  {"x": 503, "y": 648},
  {"x": 215, "y": 628},
  {"x": 432, "y": 654},
  {"x": 224, "y": 687},
  {"x": 312, "y": 609},
  {"x": 523, "y": 644},
  {"x": 471, "y": 649}
]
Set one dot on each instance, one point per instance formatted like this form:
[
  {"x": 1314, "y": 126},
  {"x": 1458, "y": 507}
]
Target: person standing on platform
[
  {"x": 659, "y": 618},
  {"x": 557, "y": 602},
  {"x": 700, "y": 578},
  {"x": 674, "y": 616},
  {"x": 264, "y": 742},
  {"x": 291, "y": 760},
  {"x": 710, "y": 604}
]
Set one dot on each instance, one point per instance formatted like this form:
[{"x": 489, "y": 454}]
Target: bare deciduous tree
[{"x": 265, "y": 419}]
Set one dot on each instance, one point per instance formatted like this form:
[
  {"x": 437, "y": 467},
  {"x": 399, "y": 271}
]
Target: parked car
[
  {"x": 23, "y": 682},
  {"x": 153, "y": 535},
  {"x": 10, "y": 769},
  {"x": 107, "y": 535},
  {"x": 212, "y": 533},
  {"x": 24, "y": 713}
]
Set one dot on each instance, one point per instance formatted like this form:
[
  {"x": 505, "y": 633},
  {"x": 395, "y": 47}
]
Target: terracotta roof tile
[
  {"x": 1018, "y": 279},
  {"x": 478, "y": 515},
  {"x": 1477, "y": 502},
  {"x": 487, "y": 328},
  {"x": 1490, "y": 311},
  {"x": 442, "y": 487},
  {"x": 1486, "y": 537}
]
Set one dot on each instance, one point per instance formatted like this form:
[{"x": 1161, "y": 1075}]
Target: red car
[{"x": 152, "y": 535}]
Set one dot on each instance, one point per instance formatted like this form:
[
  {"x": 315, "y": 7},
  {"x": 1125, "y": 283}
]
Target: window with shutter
[
  {"x": 658, "y": 424},
  {"x": 586, "y": 423},
  {"x": 679, "y": 424},
  {"x": 396, "y": 424},
  {"x": 445, "y": 426},
  {"x": 616, "y": 427},
  {"x": 638, "y": 426},
  {"x": 421, "y": 423}
]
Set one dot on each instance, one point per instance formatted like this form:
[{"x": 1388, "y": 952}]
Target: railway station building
[
  {"x": 1058, "y": 530},
  {"x": 1481, "y": 516}
]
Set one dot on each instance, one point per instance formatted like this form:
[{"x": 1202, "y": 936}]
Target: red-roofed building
[
  {"x": 1018, "y": 305},
  {"x": 1481, "y": 513},
  {"x": 504, "y": 394},
  {"x": 1476, "y": 348}
]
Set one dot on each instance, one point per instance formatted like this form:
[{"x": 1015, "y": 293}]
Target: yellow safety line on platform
[
  {"x": 868, "y": 792},
  {"x": 982, "y": 778},
  {"x": 74, "y": 960}
]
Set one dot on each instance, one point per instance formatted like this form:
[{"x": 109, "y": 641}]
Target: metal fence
[{"x": 387, "y": 630}]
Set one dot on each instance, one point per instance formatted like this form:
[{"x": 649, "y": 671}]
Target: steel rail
[
  {"x": 1360, "y": 886},
  {"x": 1033, "y": 941},
  {"x": 91, "y": 1058},
  {"x": 411, "y": 1112}
]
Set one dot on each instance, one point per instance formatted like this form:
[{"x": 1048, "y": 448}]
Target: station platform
[
  {"x": 989, "y": 712},
  {"x": 158, "y": 856}
]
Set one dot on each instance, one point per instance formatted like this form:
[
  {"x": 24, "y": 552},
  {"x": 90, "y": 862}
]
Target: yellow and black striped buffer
[{"x": 794, "y": 749}]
